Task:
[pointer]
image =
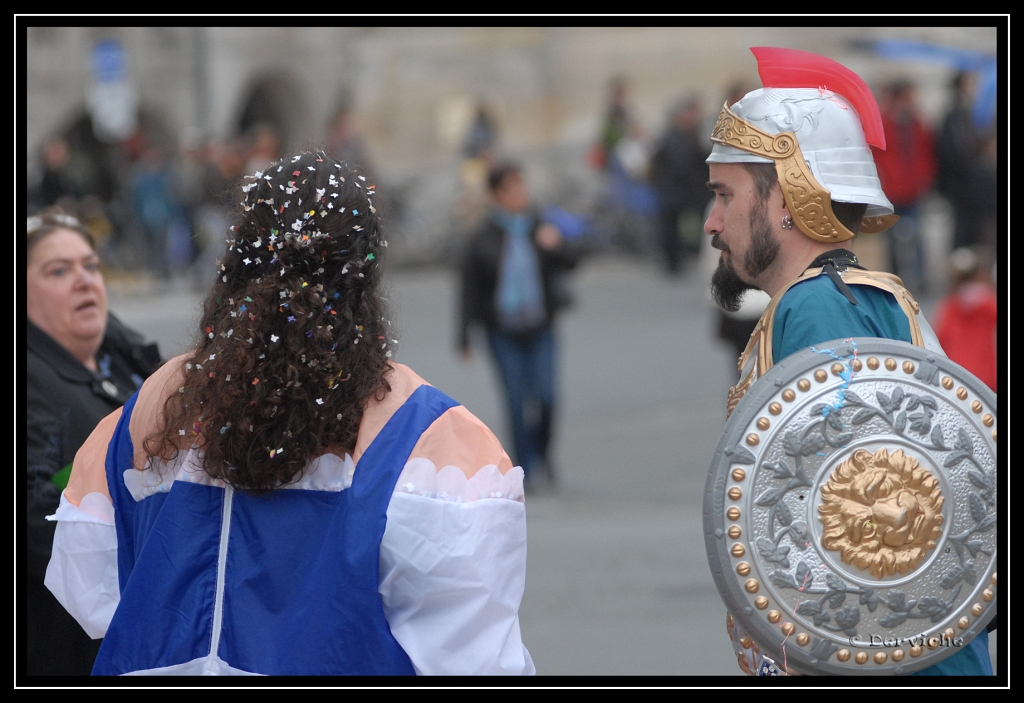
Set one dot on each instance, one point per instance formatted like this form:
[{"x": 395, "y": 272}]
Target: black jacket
[
  {"x": 481, "y": 264},
  {"x": 64, "y": 401}
]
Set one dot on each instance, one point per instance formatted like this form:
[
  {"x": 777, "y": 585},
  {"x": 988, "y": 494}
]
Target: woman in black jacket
[{"x": 82, "y": 364}]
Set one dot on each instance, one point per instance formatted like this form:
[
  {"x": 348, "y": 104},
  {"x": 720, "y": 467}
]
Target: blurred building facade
[{"x": 414, "y": 91}]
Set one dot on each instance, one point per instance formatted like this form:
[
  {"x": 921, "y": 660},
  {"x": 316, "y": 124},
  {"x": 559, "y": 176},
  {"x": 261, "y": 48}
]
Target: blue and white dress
[{"x": 399, "y": 567}]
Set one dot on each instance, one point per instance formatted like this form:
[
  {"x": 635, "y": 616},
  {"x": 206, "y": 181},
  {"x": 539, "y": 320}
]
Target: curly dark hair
[{"x": 293, "y": 340}]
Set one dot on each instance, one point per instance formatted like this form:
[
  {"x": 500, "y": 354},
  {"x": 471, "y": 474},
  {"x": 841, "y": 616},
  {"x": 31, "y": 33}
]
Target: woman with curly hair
[{"x": 285, "y": 499}]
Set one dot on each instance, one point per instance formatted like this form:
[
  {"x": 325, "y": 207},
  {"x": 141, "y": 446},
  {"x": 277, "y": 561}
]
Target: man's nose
[{"x": 712, "y": 225}]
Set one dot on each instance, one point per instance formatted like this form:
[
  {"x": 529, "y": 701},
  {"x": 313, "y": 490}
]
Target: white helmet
[{"x": 810, "y": 120}]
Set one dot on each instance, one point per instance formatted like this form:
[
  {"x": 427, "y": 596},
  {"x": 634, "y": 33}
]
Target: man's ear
[{"x": 785, "y": 218}]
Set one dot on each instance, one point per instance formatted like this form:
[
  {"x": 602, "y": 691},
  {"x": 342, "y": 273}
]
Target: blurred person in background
[
  {"x": 626, "y": 210},
  {"x": 71, "y": 164},
  {"x": 55, "y": 184},
  {"x": 482, "y": 138},
  {"x": 155, "y": 199},
  {"x": 984, "y": 184},
  {"x": 82, "y": 364},
  {"x": 91, "y": 212},
  {"x": 629, "y": 203},
  {"x": 206, "y": 169},
  {"x": 191, "y": 170},
  {"x": 479, "y": 151},
  {"x": 906, "y": 168},
  {"x": 345, "y": 142},
  {"x": 679, "y": 175},
  {"x": 264, "y": 147},
  {"x": 967, "y": 320},
  {"x": 376, "y": 526},
  {"x": 510, "y": 288},
  {"x": 957, "y": 148},
  {"x": 617, "y": 123}
]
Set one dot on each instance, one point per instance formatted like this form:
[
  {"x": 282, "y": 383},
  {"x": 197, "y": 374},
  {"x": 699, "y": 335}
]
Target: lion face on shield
[{"x": 882, "y": 512}]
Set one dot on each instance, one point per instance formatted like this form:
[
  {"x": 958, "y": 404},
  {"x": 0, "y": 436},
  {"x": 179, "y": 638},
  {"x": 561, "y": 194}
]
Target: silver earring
[{"x": 787, "y": 222}]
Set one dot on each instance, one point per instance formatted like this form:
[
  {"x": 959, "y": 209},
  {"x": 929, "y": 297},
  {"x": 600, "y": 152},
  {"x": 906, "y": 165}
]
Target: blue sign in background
[
  {"x": 984, "y": 109},
  {"x": 108, "y": 61}
]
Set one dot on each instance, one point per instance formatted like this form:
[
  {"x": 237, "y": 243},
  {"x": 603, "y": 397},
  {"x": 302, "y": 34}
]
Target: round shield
[{"x": 850, "y": 512}]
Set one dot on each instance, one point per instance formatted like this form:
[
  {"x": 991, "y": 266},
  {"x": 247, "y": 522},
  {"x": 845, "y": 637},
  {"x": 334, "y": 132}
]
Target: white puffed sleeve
[
  {"x": 82, "y": 573},
  {"x": 453, "y": 570}
]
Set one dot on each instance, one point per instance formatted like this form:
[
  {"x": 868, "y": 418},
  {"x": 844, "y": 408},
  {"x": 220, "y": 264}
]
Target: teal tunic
[{"x": 815, "y": 311}]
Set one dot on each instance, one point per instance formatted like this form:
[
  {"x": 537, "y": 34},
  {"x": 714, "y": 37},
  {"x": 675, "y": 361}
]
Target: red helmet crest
[{"x": 791, "y": 68}]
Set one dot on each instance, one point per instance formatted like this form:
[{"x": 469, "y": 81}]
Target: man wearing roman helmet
[{"x": 794, "y": 181}]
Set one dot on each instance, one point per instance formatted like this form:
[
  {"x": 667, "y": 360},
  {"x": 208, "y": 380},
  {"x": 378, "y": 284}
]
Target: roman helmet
[{"x": 814, "y": 119}]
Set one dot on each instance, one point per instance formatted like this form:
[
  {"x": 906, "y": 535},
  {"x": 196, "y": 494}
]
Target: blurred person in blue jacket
[{"x": 511, "y": 288}]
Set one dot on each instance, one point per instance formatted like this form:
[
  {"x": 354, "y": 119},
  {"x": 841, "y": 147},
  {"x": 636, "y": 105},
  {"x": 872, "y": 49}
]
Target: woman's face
[{"x": 66, "y": 296}]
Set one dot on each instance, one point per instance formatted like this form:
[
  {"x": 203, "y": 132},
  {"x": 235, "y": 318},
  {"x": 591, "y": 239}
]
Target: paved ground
[{"x": 617, "y": 579}]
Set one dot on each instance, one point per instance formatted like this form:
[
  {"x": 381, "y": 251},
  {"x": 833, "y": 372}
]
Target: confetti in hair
[{"x": 291, "y": 296}]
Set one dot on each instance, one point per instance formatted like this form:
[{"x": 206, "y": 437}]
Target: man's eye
[
  {"x": 94, "y": 266},
  {"x": 59, "y": 271}
]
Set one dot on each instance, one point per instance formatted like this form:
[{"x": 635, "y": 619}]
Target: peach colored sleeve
[
  {"x": 459, "y": 438},
  {"x": 89, "y": 470}
]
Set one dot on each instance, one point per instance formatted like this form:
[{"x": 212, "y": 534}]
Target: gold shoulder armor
[{"x": 757, "y": 358}]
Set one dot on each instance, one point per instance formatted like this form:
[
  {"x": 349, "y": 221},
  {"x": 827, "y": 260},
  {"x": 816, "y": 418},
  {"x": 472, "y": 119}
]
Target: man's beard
[{"x": 727, "y": 288}]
